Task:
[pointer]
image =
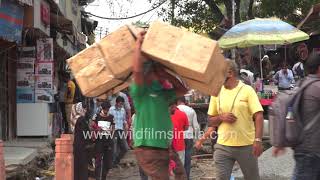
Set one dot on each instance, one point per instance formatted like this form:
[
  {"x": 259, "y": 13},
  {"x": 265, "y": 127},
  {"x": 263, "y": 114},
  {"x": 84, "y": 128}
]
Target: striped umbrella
[{"x": 261, "y": 32}]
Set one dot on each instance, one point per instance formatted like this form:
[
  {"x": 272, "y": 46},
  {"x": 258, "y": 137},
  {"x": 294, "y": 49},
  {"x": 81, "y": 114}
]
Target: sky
[{"x": 121, "y": 8}]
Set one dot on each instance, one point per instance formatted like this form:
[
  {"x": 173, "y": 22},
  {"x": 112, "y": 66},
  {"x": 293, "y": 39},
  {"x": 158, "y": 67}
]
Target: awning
[
  {"x": 61, "y": 24},
  {"x": 311, "y": 22}
]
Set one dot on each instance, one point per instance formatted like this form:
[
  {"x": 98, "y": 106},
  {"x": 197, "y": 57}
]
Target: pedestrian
[
  {"x": 81, "y": 144},
  {"x": 191, "y": 134},
  {"x": 307, "y": 152},
  {"x": 238, "y": 114},
  {"x": 143, "y": 175},
  {"x": 180, "y": 125},
  {"x": 104, "y": 125},
  {"x": 153, "y": 125},
  {"x": 127, "y": 107},
  {"x": 298, "y": 70},
  {"x": 284, "y": 78},
  {"x": 121, "y": 126}
]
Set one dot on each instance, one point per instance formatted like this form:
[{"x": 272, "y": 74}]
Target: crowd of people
[{"x": 154, "y": 120}]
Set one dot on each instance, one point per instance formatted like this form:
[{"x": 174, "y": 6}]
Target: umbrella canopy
[{"x": 261, "y": 32}]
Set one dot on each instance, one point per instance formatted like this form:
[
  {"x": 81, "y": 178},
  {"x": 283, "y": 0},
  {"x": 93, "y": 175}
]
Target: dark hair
[
  {"x": 105, "y": 105},
  {"x": 181, "y": 99},
  {"x": 313, "y": 63},
  {"x": 119, "y": 99}
]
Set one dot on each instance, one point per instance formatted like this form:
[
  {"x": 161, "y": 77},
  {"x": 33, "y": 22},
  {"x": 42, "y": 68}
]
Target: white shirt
[
  {"x": 113, "y": 98},
  {"x": 119, "y": 116},
  {"x": 193, "y": 122},
  {"x": 295, "y": 66}
]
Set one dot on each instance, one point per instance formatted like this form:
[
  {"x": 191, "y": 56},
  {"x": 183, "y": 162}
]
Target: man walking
[
  {"x": 191, "y": 133},
  {"x": 284, "y": 78},
  {"x": 120, "y": 120},
  {"x": 238, "y": 115},
  {"x": 180, "y": 125},
  {"x": 307, "y": 152},
  {"x": 152, "y": 123}
]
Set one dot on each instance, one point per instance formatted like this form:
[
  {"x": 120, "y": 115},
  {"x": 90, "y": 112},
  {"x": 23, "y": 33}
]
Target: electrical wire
[
  {"x": 121, "y": 18},
  {"x": 146, "y": 13}
]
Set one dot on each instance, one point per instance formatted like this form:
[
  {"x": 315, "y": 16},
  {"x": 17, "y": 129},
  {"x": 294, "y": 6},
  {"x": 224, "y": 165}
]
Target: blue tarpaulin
[{"x": 11, "y": 21}]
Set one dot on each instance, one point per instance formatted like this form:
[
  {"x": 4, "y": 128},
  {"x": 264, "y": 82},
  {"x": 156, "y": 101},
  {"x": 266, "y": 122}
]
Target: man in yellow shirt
[{"x": 238, "y": 115}]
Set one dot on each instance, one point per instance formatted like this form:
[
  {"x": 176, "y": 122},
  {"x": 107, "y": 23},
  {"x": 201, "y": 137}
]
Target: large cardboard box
[
  {"x": 188, "y": 54},
  {"x": 105, "y": 64}
]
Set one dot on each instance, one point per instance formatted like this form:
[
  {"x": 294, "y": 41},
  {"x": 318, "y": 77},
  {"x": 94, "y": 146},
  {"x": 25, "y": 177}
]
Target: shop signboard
[
  {"x": 44, "y": 69},
  {"x": 43, "y": 96},
  {"x": 11, "y": 21},
  {"x": 44, "y": 82},
  {"x": 25, "y": 95},
  {"x": 45, "y": 50}
]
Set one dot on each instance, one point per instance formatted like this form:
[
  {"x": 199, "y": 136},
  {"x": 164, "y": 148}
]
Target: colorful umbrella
[{"x": 261, "y": 32}]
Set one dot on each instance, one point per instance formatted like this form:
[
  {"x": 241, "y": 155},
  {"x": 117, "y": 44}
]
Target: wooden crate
[
  {"x": 188, "y": 54},
  {"x": 104, "y": 65}
]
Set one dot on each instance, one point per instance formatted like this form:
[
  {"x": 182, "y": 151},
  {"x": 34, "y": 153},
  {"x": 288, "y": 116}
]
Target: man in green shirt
[{"x": 152, "y": 132}]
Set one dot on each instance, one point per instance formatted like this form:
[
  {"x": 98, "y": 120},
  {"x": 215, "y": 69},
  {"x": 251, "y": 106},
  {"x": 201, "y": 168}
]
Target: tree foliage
[{"x": 204, "y": 15}]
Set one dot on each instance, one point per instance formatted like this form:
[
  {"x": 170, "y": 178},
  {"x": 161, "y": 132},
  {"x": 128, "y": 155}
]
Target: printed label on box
[
  {"x": 44, "y": 96},
  {"x": 44, "y": 69},
  {"x": 44, "y": 82},
  {"x": 25, "y": 95}
]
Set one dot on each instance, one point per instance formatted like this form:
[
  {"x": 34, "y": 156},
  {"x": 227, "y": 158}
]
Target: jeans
[
  {"x": 103, "y": 159},
  {"x": 120, "y": 147},
  {"x": 188, "y": 153},
  {"x": 307, "y": 166}
]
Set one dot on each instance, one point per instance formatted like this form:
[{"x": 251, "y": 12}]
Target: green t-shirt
[{"x": 152, "y": 125}]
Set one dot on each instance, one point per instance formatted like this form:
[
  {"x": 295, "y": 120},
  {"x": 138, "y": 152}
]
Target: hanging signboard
[
  {"x": 27, "y": 52},
  {"x": 43, "y": 96},
  {"x": 45, "y": 50},
  {"x": 11, "y": 21},
  {"x": 26, "y": 65},
  {"x": 25, "y": 80},
  {"x": 44, "y": 82},
  {"x": 25, "y": 95},
  {"x": 44, "y": 69}
]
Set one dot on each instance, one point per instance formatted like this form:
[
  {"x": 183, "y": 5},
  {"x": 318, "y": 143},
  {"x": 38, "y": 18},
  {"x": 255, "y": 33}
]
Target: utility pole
[
  {"x": 233, "y": 51},
  {"x": 172, "y": 11},
  {"x": 100, "y": 32}
]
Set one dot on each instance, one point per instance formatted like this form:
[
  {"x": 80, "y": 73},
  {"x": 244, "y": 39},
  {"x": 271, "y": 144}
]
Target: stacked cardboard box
[
  {"x": 104, "y": 66},
  {"x": 196, "y": 59}
]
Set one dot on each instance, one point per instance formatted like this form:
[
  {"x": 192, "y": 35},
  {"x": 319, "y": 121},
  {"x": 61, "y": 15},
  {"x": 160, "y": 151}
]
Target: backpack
[{"x": 283, "y": 132}]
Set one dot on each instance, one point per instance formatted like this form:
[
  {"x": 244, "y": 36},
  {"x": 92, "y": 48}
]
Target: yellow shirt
[
  {"x": 242, "y": 132},
  {"x": 69, "y": 96}
]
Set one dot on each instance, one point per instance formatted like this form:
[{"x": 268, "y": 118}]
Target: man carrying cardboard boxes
[{"x": 152, "y": 139}]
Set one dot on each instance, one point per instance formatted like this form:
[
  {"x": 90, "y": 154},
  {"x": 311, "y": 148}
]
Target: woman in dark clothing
[
  {"x": 81, "y": 143},
  {"x": 103, "y": 144}
]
